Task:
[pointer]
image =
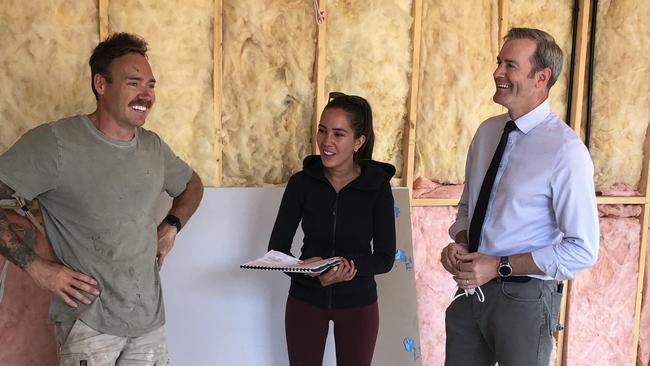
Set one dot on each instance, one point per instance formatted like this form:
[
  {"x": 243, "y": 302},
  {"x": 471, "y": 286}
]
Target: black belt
[
  {"x": 520, "y": 279},
  {"x": 524, "y": 279}
]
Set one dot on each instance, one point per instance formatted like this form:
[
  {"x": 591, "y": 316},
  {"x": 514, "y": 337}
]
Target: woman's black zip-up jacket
[{"x": 340, "y": 224}]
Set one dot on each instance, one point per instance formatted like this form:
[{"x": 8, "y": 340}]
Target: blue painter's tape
[
  {"x": 396, "y": 212},
  {"x": 409, "y": 345},
  {"x": 400, "y": 256}
]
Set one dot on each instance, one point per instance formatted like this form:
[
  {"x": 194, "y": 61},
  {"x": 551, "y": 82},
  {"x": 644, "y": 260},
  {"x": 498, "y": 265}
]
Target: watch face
[
  {"x": 174, "y": 221},
  {"x": 505, "y": 270}
]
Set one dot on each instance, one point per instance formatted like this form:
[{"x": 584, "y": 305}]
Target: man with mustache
[
  {"x": 527, "y": 218},
  {"x": 97, "y": 178}
]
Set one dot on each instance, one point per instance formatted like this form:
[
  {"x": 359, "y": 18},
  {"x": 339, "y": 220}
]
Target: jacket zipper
[{"x": 330, "y": 294}]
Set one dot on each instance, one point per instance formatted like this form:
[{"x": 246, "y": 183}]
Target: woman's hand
[
  {"x": 312, "y": 260},
  {"x": 345, "y": 271}
]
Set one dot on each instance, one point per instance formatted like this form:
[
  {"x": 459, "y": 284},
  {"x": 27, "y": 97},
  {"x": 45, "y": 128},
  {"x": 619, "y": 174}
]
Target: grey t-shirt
[{"x": 97, "y": 197}]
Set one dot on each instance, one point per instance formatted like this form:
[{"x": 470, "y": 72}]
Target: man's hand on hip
[
  {"x": 62, "y": 281},
  {"x": 166, "y": 237}
]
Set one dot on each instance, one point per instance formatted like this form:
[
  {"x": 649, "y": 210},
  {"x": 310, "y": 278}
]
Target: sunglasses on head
[{"x": 354, "y": 99}]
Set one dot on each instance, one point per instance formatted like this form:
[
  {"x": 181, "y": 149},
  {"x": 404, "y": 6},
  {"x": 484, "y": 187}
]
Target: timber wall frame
[{"x": 580, "y": 65}]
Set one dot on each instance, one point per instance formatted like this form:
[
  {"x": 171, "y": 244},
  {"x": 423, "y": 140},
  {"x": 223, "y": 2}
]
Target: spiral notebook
[{"x": 278, "y": 261}]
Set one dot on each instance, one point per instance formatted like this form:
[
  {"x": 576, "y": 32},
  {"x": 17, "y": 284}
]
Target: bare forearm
[
  {"x": 187, "y": 202},
  {"x": 12, "y": 247},
  {"x": 523, "y": 264}
]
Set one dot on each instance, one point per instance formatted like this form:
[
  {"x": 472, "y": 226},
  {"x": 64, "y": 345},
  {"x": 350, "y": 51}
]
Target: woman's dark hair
[
  {"x": 116, "y": 45},
  {"x": 360, "y": 114}
]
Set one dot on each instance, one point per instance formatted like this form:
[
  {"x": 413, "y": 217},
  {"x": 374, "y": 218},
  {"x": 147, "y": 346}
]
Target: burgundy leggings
[{"x": 355, "y": 333}]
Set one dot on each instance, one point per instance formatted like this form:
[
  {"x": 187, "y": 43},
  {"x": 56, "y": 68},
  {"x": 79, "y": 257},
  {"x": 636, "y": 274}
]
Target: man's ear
[
  {"x": 99, "y": 82},
  {"x": 543, "y": 77}
]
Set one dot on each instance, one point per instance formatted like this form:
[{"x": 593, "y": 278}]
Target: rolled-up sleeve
[{"x": 576, "y": 214}]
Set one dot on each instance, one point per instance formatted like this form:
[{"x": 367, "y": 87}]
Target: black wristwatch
[
  {"x": 504, "y": 269},
  {"x": 173, "y": 221}
]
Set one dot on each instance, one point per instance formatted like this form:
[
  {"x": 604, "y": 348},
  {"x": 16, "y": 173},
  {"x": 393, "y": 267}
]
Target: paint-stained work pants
[{"x": 84, "y": 346}]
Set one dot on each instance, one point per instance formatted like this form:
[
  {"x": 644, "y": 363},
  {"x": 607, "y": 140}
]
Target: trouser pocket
[
  {"x": 554, "y": 303},
  {"x": 62, "y": 332}
]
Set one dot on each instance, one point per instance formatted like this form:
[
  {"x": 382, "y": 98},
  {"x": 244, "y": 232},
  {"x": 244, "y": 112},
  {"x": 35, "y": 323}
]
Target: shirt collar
[{"x": 533, "y": 118}]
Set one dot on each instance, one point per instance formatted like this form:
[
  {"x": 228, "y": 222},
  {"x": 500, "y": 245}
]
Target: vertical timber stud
[
  {"x": 580, "y": 60},
  {"x": 577, "y": 101},
  {"x": 643, "y": 249},
  {"x": 103, "y": 19},
  {"x": 503, "y": 20},
  {"x": 319, "y": 76},
  {"x": 644, "y": 182},
  {"x": 644, "y": 187},
  {"x": 217, "y": 89},
  {"x": 503, "y": 25},
  {"x": 412, "y": 101}
]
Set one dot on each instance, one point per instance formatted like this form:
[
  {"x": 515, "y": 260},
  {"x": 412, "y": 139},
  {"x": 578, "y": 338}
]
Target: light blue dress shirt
[{"x": 543, "y": 200}]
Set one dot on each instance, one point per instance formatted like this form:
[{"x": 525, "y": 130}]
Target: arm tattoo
[
  {"x": 5, "y": 191},
  {"x": 12, "y": 247}
]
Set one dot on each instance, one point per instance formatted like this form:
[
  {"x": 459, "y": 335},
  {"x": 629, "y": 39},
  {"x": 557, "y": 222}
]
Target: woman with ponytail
[{"x": 344, "y": 201}]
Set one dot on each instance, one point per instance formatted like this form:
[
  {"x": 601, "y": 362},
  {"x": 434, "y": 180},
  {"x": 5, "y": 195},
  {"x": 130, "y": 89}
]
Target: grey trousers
[{"x": 514, "y": 326}]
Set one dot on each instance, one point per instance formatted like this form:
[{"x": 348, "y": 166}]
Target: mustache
[{"x": 146, "y": 103}]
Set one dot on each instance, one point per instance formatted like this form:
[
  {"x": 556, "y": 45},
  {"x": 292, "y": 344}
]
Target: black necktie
[{"x": 478, "y": 217}]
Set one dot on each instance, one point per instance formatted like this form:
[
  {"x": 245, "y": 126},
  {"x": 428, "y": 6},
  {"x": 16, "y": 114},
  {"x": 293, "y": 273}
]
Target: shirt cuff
[{"x": 544, "y": 259}]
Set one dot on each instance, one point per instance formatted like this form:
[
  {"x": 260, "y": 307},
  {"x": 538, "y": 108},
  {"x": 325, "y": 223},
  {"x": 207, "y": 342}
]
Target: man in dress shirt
[{"x": 540, "y": 226}]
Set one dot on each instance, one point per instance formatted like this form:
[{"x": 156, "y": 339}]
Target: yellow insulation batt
[
  {"x": 621, "y": 96},
  {"x": 369, "y": 53},
  {"x": 268, "y": 90},
  {"x": 458, "y": 56},
  {"x": 43, "y": 63}
]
